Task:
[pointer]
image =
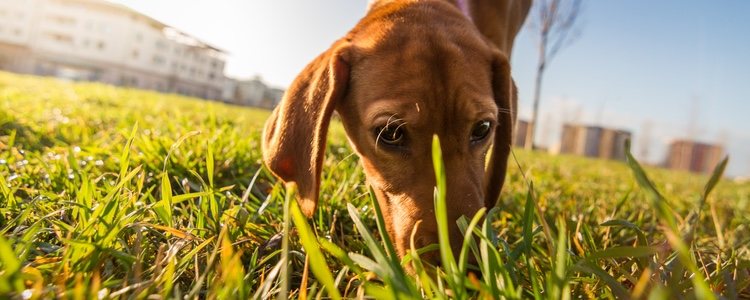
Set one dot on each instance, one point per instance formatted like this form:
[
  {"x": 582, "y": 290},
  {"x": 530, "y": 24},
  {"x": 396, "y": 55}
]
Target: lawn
[{"x": 119, "y": 193}]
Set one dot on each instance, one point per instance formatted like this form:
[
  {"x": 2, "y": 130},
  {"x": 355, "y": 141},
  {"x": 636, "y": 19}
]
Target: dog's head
[{"x": 403, "y": 74}]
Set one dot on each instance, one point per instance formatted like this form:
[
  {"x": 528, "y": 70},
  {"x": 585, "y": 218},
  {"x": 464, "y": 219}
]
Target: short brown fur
[{"x": 425, "y": 65}]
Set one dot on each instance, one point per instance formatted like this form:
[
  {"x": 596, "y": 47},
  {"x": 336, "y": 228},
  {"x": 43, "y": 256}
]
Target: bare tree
[
  {"x": 554, "y": 21},
  {"x": 645, "y": 139}
]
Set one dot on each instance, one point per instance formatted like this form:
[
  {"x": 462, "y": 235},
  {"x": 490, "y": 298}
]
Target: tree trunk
[{"x": 531, "y": 131}]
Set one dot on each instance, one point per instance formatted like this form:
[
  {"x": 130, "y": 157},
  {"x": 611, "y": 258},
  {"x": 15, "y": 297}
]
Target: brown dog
[{"x": 409, "y": 69}]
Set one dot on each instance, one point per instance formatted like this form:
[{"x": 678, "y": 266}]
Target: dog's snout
[{"x": 424, "y": 240}]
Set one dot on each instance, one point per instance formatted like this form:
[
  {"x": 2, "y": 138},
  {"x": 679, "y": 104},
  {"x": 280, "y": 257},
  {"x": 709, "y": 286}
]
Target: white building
[{"x": 98, "y": 40}]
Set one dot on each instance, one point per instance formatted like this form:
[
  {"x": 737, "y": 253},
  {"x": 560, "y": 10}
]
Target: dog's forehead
[{"x": 434, "y": 73}]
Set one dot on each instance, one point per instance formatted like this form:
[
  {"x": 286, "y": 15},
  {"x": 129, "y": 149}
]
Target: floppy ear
[
  {"x": 294, "y": 138},
  {"x": 506, "y": 99}
]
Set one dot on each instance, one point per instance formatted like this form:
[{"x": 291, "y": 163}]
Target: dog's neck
[{"x": 463, "y": 5}]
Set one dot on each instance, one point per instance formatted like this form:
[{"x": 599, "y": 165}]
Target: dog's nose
[{"x": 426, "y": 238}]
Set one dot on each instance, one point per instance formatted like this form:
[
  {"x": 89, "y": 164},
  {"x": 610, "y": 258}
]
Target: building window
[
  {"x": 62, "y": 20},
  {"x": 101, "y": 45},
  {"x": 57, "y": 37},
  {"x": 135, "y": 54},
  {"x": 103, "y": 28},
  {"x": 17, "y": 31},
  {"x": 158, "y": 60}
]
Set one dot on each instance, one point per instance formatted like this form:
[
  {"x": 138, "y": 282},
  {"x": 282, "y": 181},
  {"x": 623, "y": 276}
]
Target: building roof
[
  {"x": 595, "y": 127},
  {"x": 694, "y": 142},
  {"x": 170, "y": 32}
]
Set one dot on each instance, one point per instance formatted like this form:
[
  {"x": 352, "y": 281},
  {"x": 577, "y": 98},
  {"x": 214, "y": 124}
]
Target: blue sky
[{"x": 662, "y": 69}]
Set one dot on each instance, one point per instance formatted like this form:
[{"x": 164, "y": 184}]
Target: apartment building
[
  {"x": 96, "y": 40},
  {"x": 519, "y": 137},
  {"x": 687, "y": 155},
  {"x": 253, "y": 92},
  {"x": 594, "y": 141}
]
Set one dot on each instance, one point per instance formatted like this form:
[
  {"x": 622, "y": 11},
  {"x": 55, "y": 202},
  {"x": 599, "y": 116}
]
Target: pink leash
[{"x": 463, "y": 5}]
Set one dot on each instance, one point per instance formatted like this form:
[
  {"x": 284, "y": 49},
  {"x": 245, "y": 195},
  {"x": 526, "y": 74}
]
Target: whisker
[
  {"x": 390, "y": 121},
  {"x": 505, "y": 111}
]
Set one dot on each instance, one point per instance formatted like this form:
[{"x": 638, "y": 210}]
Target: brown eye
[
  {"x": 391, "y": 134},
  {"x": 480, "y": 131}
]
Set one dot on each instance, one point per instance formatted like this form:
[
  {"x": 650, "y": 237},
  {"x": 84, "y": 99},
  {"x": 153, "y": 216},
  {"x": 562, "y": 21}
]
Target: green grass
[{"x": 117, "y": 193}]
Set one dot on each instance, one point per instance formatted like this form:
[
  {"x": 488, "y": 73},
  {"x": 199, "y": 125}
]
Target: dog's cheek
[{"x": 406, "y": 213}]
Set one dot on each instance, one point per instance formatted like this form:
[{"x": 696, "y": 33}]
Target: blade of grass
[
  {"x": 615, "y": 286},
  {"x": 210, "y": 164},
  {"x": 10, "y": 199},
  {"x": 388, "y": 244},
  {"x": 622, "y": 252},
  {"x": 716, "y": 175},
  {"x": 559, "y": 287},
  {"x": 528, "y": 223},
  {"x": 659, "y": 202},
  {"x": 286, "y": 269},
  {"x": 467, "y": 242},
  {"x": 455, "y": 279},
  {"x": 623, "y": 223},
  {"x": 389, "y": 271},
  {"x": 671, "y": 230},
  {"x": 423, "y": 279},
  {"x": 316, "y": 259},
  {"x": 9, "y": 280},
  {"x": 339, "y": 254},
  {"x": 377, "y": 252},
  {"x": 125, "y": 156},
  {"x": 489, "y": 258},
  {"x": 163, "y": 208}
]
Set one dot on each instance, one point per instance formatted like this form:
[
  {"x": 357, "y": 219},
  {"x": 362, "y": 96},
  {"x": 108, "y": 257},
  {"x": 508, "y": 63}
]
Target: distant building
[
  {"x": 96, "y": 40},
  {"x": 594, "y": 141},
  {"x": 522, "y": 128},
  {"x": 272, "y": 97},
  {"x": 693, "y": 156},
  {"x": 253, "y": 92}
]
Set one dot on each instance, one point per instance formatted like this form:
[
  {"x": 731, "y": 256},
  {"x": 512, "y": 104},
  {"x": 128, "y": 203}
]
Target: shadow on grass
[{"x": 12, "y": 131}]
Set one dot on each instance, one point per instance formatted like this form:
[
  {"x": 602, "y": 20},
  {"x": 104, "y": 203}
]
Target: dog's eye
[
  {"x": 480, "y": 131},
  {"x": 391, "y": 134}
]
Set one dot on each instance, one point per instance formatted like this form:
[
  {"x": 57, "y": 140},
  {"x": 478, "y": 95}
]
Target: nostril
[
  {"x": 424, "y": 240},
  {"x": 421, "y": 242}
]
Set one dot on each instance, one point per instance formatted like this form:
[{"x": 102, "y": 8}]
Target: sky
[{"x": 660, "y": 69}]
